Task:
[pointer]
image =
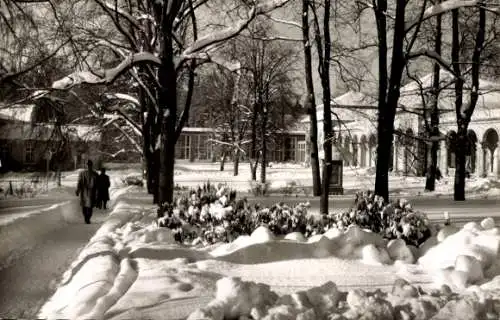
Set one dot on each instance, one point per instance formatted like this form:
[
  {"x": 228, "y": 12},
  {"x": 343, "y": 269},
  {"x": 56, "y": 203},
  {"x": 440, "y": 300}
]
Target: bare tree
[
  {"x": 310, "y": 102},
  {"x": 464, "y": 111},
  {"x": 176, "y": 46},
  {"x": 404, "y": 37},
  {"x": 430, "y": 183}
]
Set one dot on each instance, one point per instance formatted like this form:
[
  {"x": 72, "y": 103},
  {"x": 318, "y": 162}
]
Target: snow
[{"x": 131, "y": 268}]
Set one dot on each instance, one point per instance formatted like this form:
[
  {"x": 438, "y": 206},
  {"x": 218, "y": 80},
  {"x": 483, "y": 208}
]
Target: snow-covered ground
[
  {"x": 191, "y": 174},
  {"x": 354, "y": 179},
  {"x": 133, "y": 269}
]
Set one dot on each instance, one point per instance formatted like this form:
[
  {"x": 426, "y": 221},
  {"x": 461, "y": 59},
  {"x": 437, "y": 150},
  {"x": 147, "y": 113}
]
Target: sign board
[{"x": 337, "y": 178}]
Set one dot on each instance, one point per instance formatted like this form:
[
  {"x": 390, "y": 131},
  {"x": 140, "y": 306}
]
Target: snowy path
[{"x": 28, "y": 282}]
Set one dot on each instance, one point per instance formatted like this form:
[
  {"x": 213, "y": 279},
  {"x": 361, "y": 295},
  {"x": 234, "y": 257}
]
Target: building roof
[
  {"x": 46, "y": 132},
  {"x": 487, "y": 105},
  {"x": 350, "y": 107}
]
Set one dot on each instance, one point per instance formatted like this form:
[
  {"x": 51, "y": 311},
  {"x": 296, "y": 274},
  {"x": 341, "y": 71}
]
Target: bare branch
[
  {"x": 436, "y": 57},
  {"x": 11, "y": 75}
]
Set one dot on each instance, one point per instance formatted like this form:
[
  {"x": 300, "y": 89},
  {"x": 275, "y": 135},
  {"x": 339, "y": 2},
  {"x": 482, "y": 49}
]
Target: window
[
  {"x": 183, "y": 147},
  {"x": 203, "y": 147},
  {"x": 290, "y": 147},
  {"x": 29, "y": 152},
  {"x": 302, "y": 151}
]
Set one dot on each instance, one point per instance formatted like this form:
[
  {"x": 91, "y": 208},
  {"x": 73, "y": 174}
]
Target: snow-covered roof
[
  {"x": 488, "y": 102},
  {"x": 363, "y": 107},
  {"x": 45, "y": 132},
  {"x": 21, "y": 113}
]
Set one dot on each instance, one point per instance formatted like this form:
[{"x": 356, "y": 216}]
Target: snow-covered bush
[
  {"x": 395, "y": 220},
  {"x": 214, "y": 214}
]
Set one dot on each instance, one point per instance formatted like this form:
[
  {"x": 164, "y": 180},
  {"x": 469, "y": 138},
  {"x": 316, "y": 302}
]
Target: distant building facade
[
  {"x": 355, "y": 126},
  {"x": 28, "y": 145},
  {"x": 199, "y": 144}
]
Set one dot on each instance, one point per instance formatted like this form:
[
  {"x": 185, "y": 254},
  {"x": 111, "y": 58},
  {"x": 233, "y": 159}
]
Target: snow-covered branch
[
  {"x": 287, "y": 22},
  {"x": 136, "y": 145},
  {"x": 227, "y": 33},
  {"x": 206, "y": 57},
  {"x": 440, "y": 8},
  {"x": 104, "y": 76},
  {"x": 273, "y": 38},
  {"x": 123, "y": 96}
]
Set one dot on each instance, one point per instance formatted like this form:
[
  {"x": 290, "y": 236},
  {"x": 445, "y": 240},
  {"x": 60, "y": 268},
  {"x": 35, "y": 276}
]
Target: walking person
[
  {"x": 102, "y": 189},
  {"x": 87, "y": 190}
]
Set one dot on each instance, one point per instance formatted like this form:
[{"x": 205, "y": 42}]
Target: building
[
  {"x": 32, "y": 145},
  {"x": 355, "y": 125},
  {"x": 198, "y": 144}
]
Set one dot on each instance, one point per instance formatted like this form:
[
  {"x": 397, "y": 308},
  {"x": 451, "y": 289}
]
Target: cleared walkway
[{"x": 27, "y": 283}]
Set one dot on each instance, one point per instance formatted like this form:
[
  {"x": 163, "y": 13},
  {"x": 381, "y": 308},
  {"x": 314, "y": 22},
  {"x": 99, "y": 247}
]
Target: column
[
  {"x": 307, "y": 157},
  {"x": 360, "y": 154},
  {"x": 479, "y": 161},
  {"x": 401, "y": 157},
  {"x": 487, "y": 161},
  {"x": 368, "y": 157},
  {"x": 495, "y": 163},
  {"x": 395, "y": 166},
  {"x": 443, "y": 163},
  {"x": 351, "y": 154}
]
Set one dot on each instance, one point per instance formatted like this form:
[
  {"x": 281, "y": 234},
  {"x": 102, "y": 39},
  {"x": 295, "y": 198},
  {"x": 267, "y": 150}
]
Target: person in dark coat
[
  {"x": 102, "y": 189},
  {"x": 87, "y": 190}
]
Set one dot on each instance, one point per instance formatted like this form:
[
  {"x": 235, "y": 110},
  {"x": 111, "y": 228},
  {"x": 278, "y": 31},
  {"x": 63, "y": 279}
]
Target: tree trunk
[
  {"x": 387, "y": 111},
  {"x": 167, "y": 78},
  {"x": 327, "y": 114},
  {"x": 236, "y": 163},
  {"x": 155, "y": 175},
  {"x": 464, "y": 113},
  {"x": 459, "y": 185},
  {"x": 254, "y": 156},
  {"x": 310, "y": 101},
  {"x": 263, "y": 162},
  {"x": 461, "y": 145},
  {"x": 385, "y": 134},
  {"x": 430, "y": 183},
  {"x": 222, "y": 160}
]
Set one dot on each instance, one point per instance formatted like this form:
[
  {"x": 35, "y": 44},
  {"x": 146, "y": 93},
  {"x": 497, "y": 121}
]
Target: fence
[{"x": 28, "y": 187}]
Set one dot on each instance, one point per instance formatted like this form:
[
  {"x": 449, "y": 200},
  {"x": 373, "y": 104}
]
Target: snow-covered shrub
[
  {"x": 396, "y": 220},
  {"x": 214, "y": 214}
]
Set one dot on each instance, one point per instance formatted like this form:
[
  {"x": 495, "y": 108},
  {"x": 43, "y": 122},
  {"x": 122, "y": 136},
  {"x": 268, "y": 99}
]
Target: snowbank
[
  {"x": 23, "y": 233},
  {"x": 132, "y": 268},
  {"x": 237, "y": 299},
  {"x": 464, "y": 256}
]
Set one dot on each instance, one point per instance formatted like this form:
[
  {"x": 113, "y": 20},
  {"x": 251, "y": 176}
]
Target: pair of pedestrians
[{"x": 93, "y": 190}]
